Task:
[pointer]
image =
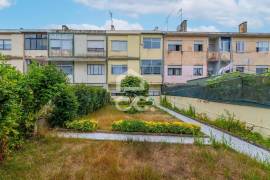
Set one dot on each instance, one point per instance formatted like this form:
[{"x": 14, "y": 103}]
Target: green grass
[
  {"x": 226, "y": 122},
  {"x": 54, "y": 158}
]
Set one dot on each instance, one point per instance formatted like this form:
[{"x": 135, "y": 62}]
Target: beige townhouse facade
[{"x": 104, "y": 58}]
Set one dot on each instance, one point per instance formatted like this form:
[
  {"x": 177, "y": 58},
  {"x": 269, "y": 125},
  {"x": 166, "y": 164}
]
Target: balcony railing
[
  {"x": 97, "y": 52},
  {"x": 216, "y": 56}
]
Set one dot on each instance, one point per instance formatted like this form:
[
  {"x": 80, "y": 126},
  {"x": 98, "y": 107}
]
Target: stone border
[{"x": 134, "y": 137}]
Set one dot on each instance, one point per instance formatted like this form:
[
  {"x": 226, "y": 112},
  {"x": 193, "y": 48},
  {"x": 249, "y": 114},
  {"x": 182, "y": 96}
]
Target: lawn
[
  {"x": 50, "y": 158},
  {"x": 107, "y": 115}
]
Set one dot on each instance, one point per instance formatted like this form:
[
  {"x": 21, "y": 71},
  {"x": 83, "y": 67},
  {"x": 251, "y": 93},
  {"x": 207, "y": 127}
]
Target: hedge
[
  {"x": 90, "y": 99},
  {"x": 84, "y": 125},
  {"x": 155, "y": 127}
]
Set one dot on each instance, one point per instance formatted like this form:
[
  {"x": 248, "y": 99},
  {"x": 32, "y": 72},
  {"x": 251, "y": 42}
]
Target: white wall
[{"x": 81, "y": 76}]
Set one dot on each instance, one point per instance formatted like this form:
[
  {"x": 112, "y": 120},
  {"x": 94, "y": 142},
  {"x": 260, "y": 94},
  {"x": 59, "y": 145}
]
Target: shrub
[
  {"x": 84, "y": 125},
  {"x": 46, "y": 82},
  {"x": 133, "y": 86},
  {"x": 90, "y": 99},
  {"x": 65, "y": 107},
  {"x": 155, "y": 127}
]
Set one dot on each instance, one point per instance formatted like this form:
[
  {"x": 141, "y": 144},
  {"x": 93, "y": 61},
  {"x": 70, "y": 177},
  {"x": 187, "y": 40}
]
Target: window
[
  {"x": 174, "y": 71},
  {"x": 198, "y": 71},
  {"x": 198, "y": 46},
  {"x": 240, "y": 68},
  {"x": 174, "y": 46},
  {"x": 151, "y": 43},
  {"x": 119, "y": 69},
  {"x": 5, "y": 44},
  {"x": 225, "y": 44},
  {"x": 95, "y": 69},
  {"x": 119, "y": 45},
  {"x": 151, "y": 67},
  {"x": 35, "y": 42},
  {"x": 61, "y": 44},
  {"x": 261, "y": 69},
  {"x": 262, "y": 46},
  {"x": 240, "y": 46},
  {"x": 154, "y": 93},
  {"x": 95, "y": 46}
]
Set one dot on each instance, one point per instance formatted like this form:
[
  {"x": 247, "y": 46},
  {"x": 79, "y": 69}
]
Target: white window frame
[
  {"x": 175, "y": 43},
  {"x": 174, "y": 67},
  {"x": 240, "y": 46},
  {"x": 152, "y": 41},
  {"x": 95, "y": 46},
  {"x": 197, "y": 67},
  {"x": 262, "y": 46},
  {"x": 198, "y": 42},
  {"x": 122, "y": 66},
  {"x": 119, "y": 45},
  {"x": 95, "y": 72},
  {"x": 2, "y": 42}
]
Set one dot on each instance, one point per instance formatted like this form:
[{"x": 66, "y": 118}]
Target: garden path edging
[
  {"x": 134, "y": 137},
  {"x": 234, "y": 142}
]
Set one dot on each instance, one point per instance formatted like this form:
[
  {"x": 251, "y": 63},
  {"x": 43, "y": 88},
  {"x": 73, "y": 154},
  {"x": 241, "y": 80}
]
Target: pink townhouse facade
[{"x": 185, "y": 57}]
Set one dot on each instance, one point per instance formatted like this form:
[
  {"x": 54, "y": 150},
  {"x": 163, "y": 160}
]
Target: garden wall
[{"x": 253, "y": 116}]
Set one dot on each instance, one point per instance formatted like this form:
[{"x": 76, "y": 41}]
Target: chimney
[
  {"x": 243, "y": 27},
  {"x": 182, "y": 27},
  {"x": 65, "y": 28}
]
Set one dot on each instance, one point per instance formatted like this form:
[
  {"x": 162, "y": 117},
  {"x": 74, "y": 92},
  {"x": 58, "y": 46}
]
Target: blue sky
[{"x": 202, "y": 15}]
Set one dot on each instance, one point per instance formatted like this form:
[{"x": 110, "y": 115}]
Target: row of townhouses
[{"x": 102, "y": 58}]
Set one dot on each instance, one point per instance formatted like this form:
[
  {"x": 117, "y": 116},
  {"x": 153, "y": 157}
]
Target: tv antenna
[
  {"x": 180, "y": 14},
  {"x": 111, "y": 17}
]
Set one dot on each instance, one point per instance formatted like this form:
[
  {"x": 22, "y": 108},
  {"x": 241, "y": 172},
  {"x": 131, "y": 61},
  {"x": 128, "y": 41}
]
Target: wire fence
[{"x": 253, "y": 90}]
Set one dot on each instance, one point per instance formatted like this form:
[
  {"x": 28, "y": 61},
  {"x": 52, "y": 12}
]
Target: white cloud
[
  {"x": 229, "y": 13},
  {"x": 118, "y": 23},
  {"x": 5, "y": 3},
  {"x": 204, "y": 29}
]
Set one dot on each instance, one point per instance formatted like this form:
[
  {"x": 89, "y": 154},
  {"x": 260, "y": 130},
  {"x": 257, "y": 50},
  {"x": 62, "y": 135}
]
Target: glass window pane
[{"x": 7, "y": 44}]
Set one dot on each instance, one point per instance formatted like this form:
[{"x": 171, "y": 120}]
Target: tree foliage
[{"x": 133, "y": 86}]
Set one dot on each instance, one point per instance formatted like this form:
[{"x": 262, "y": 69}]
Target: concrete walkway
[
  {"x": 132, "y": 137},
  {"x": 234, "y": 142}
]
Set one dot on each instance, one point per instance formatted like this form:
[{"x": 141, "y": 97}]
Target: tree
[{"x": 133, "y": 86}]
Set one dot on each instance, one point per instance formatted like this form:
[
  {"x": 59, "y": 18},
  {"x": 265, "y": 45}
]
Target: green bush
[
  {"x": 90, "y": 99},
  {"x": 133, "y": 86},
  {"x": 84, "y": 125},
  {"x": 155, "y": 127},
  {"x": 65, "y": 107}
]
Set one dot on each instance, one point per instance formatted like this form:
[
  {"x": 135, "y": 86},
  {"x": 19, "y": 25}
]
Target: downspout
[{"x": 107, "y": 64}]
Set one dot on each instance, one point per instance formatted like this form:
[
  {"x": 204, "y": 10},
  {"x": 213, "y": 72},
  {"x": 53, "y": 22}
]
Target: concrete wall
[
  {"x": 260, "y": 117},
  {"x": 250, "y": 58},
  {"x": 186, "y": 58},
  {"x": 17, "y": 45},
  {"x": 17, "y": 63},
  {"x": 132, "y": 49},
  {"x": 80, "y": 45},
  {"x": 35, "y": 54},
  {"x": 81, "y": 76},
  {"x": 133, "y": 69}
]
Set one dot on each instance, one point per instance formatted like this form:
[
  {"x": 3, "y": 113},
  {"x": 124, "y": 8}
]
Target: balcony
[
  {"x": 96, "y": 52},
  {"x": 216, "y": 56}
]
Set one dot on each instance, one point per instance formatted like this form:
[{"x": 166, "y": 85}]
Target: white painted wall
[{"x": 81, "y": 76}]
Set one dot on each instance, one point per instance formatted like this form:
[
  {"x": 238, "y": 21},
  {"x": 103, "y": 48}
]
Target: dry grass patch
[
  {"x": 107, "y": 115},
  {"x": 83, "y": 159}
]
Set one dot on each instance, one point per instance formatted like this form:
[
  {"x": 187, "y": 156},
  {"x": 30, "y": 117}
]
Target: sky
[{"x": 202, "y": 15}]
